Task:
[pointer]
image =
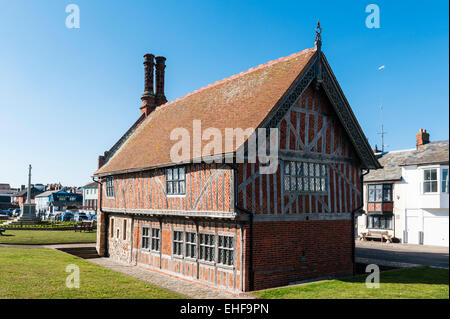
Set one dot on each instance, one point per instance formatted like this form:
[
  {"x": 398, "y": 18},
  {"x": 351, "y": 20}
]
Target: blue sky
[{"x": 67, "y": 95}]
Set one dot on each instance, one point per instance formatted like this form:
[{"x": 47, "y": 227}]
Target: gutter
[{"x": 361, "y": 185}]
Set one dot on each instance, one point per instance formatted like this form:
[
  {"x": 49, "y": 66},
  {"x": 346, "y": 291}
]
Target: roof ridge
[{"x": 234, "y": 76}]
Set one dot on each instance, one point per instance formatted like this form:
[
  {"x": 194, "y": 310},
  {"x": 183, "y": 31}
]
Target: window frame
[
  {"x": 189, "y": 245},
  {"x": 207, "y": 245},
  {"x": 384, "y": 217},
  {"x": 225, "y": 250},
  {"x": 145, "y": 238},
  {"x": 109, "y": 189},
  {"x": 444, "y": 182},
  {"x": 430, "y": 181},
  {"x": 155, "y": 240},
  {"x": 303, "y": 177},
  {"x": 382, "y": 190},
  {"x": 177, "y": 243},
  {"x": 178, "y": 181}
]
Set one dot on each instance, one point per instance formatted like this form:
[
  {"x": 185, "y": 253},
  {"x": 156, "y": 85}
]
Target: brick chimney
[
  {"x": 160, "y": 67},
  {"x": 422, "y": 138},
  {"x": 148, "y": 97}
]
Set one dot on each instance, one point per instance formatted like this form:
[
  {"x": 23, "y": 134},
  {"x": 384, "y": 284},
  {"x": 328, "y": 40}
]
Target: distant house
[
  {"x": 21, "y": 196},
  {"x": 42, "y": 201},
  {"x": 409, "y": 197},
  {"x": 90, "y": 198},
  {"x": 6, "y": 194},
  {"x": 63, "y": 200}
]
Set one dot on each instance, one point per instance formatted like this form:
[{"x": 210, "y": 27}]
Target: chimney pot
[
  {"x": 160, "y": 72},
  {"x": 148, "y": 97},
  {"x": 422, "y": 138}
]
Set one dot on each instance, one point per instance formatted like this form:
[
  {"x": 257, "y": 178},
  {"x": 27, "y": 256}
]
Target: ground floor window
[
  {"x": 207, "y": 247},
  {"x": 191, "y": 245},
  {"x": 225, "y": 250},
  {"x": 145, "y": 238},
  {"x": 155, "y": 239},
  {"x": 178, "y": 243},
  {"x": 379, "y": 221}
]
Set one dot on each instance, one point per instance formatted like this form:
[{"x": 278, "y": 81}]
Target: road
[{"x": 404, "y": 253}]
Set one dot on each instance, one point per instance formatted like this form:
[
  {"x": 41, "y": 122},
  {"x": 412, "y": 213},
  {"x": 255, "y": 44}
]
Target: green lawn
[
  {"x": 44, "y": 237},
  {"x": 41, "y": 273},
  {"x": 417, "y": 282}
]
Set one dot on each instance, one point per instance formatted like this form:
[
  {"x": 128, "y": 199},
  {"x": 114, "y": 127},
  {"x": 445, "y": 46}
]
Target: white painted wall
[{"x": 416, "y": 211}]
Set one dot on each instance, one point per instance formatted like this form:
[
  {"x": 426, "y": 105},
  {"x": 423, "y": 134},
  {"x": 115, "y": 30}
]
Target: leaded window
[
  {"x": 109, "y": 186},
  {"x": 176, "y": 181},
  {"x": 191, "y": 245},
  {"x": 226, "y": 249},
  {"x": 178, "y": 243},
  {"x": 305, "y": 177},
  {"x": 379, "y": 193},
  {"x": 145, "y": 237},
  {"x": 155, "y": 239},
  {"x": 207, "y": 247},
  {"x": 379, "y": 221}
]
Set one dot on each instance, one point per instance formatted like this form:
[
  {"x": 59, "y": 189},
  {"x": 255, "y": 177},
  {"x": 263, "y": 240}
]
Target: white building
[
  {"x": 409, "y": 196},
  {"x": 90, "y": 198},
  {"x": 42, "y": 201}
]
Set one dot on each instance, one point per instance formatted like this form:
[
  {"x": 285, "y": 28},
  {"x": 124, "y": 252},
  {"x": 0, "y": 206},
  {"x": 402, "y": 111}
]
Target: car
[
  {"x": 67, "y": 216},
  {"x": 79, "y": 216}
]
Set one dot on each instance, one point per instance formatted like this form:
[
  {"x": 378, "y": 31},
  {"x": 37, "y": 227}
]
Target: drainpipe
[
  {"x": 361, "y": 179},
  {"x": 250, "y": 231},
  {"x": 99, "y": 207}
]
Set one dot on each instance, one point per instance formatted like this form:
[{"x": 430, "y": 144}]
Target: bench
[
  {"x": 376, "y": 234},
  {"x": 84, "y": 225},
  {"x": 2, "y": 230}
]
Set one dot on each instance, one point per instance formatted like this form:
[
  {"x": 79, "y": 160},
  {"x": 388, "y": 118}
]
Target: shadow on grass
[{"x": 414, "y": 275}]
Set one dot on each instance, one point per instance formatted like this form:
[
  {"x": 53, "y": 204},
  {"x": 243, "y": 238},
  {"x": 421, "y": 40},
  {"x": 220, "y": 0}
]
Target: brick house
[{"x": 227, "y": 225}]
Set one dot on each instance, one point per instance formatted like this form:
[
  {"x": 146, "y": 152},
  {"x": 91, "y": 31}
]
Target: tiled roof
[
  {"x": 241, "y": 101},
  {"x": 45, "y": 194},
  {"x": 431, "y": 153},
  {"x": 91, "y": 185}
]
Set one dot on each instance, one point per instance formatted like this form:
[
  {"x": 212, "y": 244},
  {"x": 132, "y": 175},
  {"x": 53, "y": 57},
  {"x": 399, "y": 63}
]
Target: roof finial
[{"x": 318, "y": 42}]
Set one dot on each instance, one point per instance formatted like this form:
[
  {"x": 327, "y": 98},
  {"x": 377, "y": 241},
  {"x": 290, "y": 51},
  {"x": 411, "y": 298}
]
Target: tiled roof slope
[
  {"x": 241, "y": 101},
  {"x": 431, "y": 153}
]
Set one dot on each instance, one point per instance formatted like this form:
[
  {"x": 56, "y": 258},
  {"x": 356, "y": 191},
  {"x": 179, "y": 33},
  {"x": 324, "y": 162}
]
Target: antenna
[{"x": 382, "y": 133}]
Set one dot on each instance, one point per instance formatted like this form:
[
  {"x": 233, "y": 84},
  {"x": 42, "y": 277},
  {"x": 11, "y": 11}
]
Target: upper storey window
[
  {"x": 430, "y": 183},
  {"x": 175, "y": 181},
  {"x": 305, "y": 177},
  {"x": 110, "y": 186},
  {"x": 379, "y": 193}
]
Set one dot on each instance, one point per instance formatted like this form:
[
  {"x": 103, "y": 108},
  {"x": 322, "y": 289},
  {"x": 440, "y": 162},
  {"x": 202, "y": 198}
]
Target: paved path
[
  {"x": 403, "y": 253},
  {"x": 180, "y": 286}
]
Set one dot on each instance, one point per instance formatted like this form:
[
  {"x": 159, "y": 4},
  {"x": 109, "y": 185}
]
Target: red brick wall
[
  {"x": 208, "y": 188},
  {"x": 279, "y": 246}
]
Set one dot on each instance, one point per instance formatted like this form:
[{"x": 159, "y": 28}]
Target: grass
[
  {"x": 417, "y": 283},
  {"x": 41, "y": 273},
  {"x": 46, "y": 237}
]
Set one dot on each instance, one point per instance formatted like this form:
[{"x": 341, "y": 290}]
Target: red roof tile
[{"x": 240, "y": 101}]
